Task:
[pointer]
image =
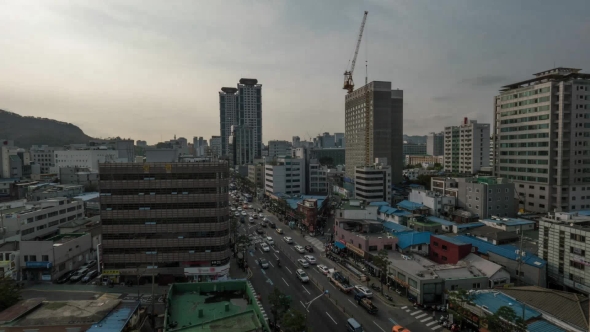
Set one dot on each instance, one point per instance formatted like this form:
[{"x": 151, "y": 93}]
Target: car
[
  {"x": 261, "y": 215},
  {"x": 269, "y": 240},
  {"x": 239, "y": 208},
  {"x": 310, "y": 259},
  {"x": 259, "y": 231},
  {"x": 89, "y": 264},
  {"x": 288, "y": 239},
  {"x": 299, "y": 249},
  {"x": 323, "y": 269},
  {"x": 364, "y": 290},
  {"x": 303, "y": 263},
  {"x": 65, "y": 277},
  {"x": 237, "y": 214},
  {"x": 251, "y": 220},
  {"x": 263, "y": 224},
  {"x": 301, "y": 275},
  {"x": 266, "y": 219},
  {"x": 280, "y": 231},
  {"x": 250, "y": 206},
  {"x": 309, "y": 248},
  {"x": 263, "y": 263},
  {"x": 233, "y": 209},
  {"x": 264, "y": 247},
  {"x": 272, "y": 224},
  {"x": 78, "y": 275},
  {"x": 90, "y": 275},
  {"x": 254, "y": 215},
  {"x": 244, "y": 213}
]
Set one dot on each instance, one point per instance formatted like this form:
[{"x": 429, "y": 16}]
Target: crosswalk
[
  {"x": 424, "y": 317},
  {"x": 316, "y": 243}
]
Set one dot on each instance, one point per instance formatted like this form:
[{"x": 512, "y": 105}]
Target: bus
[{"x": 247, "y": 198}]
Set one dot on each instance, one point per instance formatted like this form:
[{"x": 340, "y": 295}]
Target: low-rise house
[
  {"x": 494, "y": 235},
  {"x": 363, "y": 236},
  {"x": 413, "y": 242}
]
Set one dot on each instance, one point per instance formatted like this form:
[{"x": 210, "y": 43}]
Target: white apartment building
[
  {"x": 373, "y": 183},
  {"x": 436, "y": 202},
  {"x": 44, "y": 156},
  {"x": 85, "y": 158},
  {"x": 435, "y": 144},
  {"x": 317, "y": 178},
  {"x": 542, "y": 138},
  {"x": 563, "y": 241},
  {"x": 279, "y": 148},
  {"x": 285, "y": 175},
  {"x": 467, "y": 147}
]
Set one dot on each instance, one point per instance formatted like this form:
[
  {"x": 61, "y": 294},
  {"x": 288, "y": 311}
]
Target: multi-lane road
[{"x": 323, "y": 315}]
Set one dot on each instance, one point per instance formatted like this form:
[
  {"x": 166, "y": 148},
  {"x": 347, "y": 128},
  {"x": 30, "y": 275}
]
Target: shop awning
[{"x": 339, "y": 245}]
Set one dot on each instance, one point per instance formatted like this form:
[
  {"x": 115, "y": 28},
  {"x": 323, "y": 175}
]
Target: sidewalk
[{"x": 236, "y": 272}]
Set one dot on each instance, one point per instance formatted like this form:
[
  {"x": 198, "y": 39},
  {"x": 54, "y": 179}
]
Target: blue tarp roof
[
  {"x": 408, "y": 239},
  {"x": 293, "y": 201},
  {"x": 395, "y": 227},
  {"x": 116, "y": 320},
  {"x": 470, "y": 225},
  {"x": 407, "y": 205},
  {"x": 450, "y": 239},
  {"x": 495, "y": 300},
  {"x": 391, "y": 210},
  {"x": 379, "y": 204},
  {"x": 440, "y": 221},
  {"x": 484, "y": 247},
  {"x": 584, "y": 213},
  {"x": 339, "y": 245},
  {"x": 543, "y": 326}
]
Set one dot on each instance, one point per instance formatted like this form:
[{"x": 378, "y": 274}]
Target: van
[{"x": 353, "y": 326}]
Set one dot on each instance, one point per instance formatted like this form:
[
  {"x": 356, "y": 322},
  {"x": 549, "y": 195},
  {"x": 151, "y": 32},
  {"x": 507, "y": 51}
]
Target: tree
[
  {"x": 243, "y": 241},
  {"x": 505, "y": 319},
  {"x": 327, "y": 161},
  {"x": 9, "y": 292},
  {"x": 234, "y": 226},
  {"x": 458, "y": 300},
  {"x": 279, "y": 304},
  {"x": 382, "y": 262},
  {"x": 437, "y": 166},
  {"x": 294, "y": 321}
]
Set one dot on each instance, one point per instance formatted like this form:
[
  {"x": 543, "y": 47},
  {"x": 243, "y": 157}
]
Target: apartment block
[
  {"x": 385, "y": 128},
  {"x": 170, "y": 219},
  {"x": 285, "y": 175},
  {"x": 215, "y": 146},
  {"x": 329, "y": 156},
  {"x": 279, "y": 148},
  {"x": 44, "y": 156},
  {"x": 256, "y": 174},
  {"x": 373, "y": 183},
  {"x": 467, "y": 147},
  {"x": 241, "y": 149},
  {"x": 424, "y": 160},
  {"x": 78, "y": 175},
  {"x": 435, "y": 144},
  {"x": 437, "y": 203},
  {"x": 542, "y": 135},
  {"x": 317, "y": 176},
  {"x": 486, "y": 196}
]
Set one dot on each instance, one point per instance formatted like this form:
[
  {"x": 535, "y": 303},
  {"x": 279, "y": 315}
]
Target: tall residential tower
[{"x": 467, "y": 147}]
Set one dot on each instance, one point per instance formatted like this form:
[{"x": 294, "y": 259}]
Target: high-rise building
[
  {"x": 413, "y": 149},
  {"x": 228, "y": 115},
  {"x": 215, "y": 145},
  {"x": 285, "y": 175},
  {"x": 327, "y": 141},
  {"x": 467, "y": 147},
  {"x": 372, "y": 183},
  {"x": 339, "y": 140},
  {"x": 296, "y": 141},
  {"x": 148, "y": 227},
  {"x": 435, "y": 144},
  {"x": 541, "y": 138},
  {"x": 279, "y": 149},
  {"x": 241, "y": 146},
  {"x": 385, "y": 132},
  {"x": 492, "y": 151}
]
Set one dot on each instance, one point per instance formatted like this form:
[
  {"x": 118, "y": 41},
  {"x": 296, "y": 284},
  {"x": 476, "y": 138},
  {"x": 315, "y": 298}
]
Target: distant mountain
[
  {"x": 29, "y": 130},
  {"x": 415, "y": 139}
]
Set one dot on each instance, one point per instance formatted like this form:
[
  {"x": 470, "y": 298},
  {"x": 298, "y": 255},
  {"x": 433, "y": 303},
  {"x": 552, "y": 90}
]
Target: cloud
[{"x": 485, "y": 80}]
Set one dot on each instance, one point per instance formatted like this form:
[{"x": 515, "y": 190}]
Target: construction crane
[{"x": 348, "y": 82}]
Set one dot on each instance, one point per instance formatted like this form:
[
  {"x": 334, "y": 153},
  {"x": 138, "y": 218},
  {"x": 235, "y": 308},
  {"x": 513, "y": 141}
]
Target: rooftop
[
  {"x": 395, "y": 227},
  {"x": 509, "y": 221},
  {"x": 440, "y": 221},
  {"x": 408, "y": 239},
  {"x": 293, "y": 201},
  {"x": 388, "y": 210},
  {"x": 117, "y": 319},
  {"x": 411, "y": 264},
  {"x": 379, "y": 204},
  {"x": 486, "y": 267},
  {"x": 450, "y": 239},
  {"x": 495, "y": 300},
  {"x": 87, "y": 196},
  {"x": 493, "y": 233},
  {"x": 410, "y": 206},
  {"x": 484, "y": 247},
  {"x": 58, "y": 240},
  {"x": 352, "y": 204}
]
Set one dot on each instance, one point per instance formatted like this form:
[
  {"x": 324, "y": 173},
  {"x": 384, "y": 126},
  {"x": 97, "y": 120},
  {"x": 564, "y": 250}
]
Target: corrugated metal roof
[
  {"x": 441, "y": 221},
  {"x": 395, "y": 227},
  {"x": 495, "y": 300},
  {"x": 484, "y": 247},
  {"x": 543, "y": 326},
  {"x": 379, "y": 204},
  {"x": 451, "y": 240},
  {"x": 393, "y": 211},
  {"x": 116, "y": 320},
  {"x": 408, "y": 205},
  {"x": 408, "y": 239}
]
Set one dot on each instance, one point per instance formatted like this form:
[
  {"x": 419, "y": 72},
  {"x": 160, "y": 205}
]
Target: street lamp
[{"x": 307, "y": 304}]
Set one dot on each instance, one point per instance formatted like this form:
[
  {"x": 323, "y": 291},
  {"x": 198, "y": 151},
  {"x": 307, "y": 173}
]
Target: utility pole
[
  {"x": 519, "y": 259},
  {"x": 153, "y": 267}
]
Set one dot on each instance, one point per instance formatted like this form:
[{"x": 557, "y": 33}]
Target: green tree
[
  {"x": 243, "y": 241},
  {"x": 506, "y": 319},
  {"x": 9, "y": 292},
  {"x": 294, "y": 321},
  {"x": 382, "y": 262},
  {"x": 458, "y": 300},
  {"x": 279, "y": 304},
  {"x": 437, "y": 166}
]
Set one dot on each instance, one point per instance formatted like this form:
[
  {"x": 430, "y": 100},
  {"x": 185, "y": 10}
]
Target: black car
[
  {"x": 65, "y": 277},
  {"x": 272, "y": 224},
  {"x": 309, "y": 248},
  {"x": 259, "y": 231}
]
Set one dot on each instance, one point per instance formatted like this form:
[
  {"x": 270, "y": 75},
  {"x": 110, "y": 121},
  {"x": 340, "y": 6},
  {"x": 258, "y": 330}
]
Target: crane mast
[{"x": 348, "y": 82}]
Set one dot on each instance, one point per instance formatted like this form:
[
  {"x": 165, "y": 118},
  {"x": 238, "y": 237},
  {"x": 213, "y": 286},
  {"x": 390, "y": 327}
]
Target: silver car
[{"x": 303, "y": 263}]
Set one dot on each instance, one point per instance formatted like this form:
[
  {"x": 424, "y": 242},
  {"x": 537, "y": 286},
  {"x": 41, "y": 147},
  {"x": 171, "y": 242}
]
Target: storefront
[
  {"x": 200, "y": 274},
  {"x": 113, "y": 275},
  {"x": 357, "y": 253},
  {"x": 37, "y": 271}
]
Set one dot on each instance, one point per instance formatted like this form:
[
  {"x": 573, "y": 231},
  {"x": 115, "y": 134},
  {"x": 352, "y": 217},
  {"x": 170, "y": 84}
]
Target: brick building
[{"x": 447, "y": 250}]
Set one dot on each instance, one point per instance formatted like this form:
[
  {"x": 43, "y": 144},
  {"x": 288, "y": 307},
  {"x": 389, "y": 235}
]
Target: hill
[{"x": 29, "y": 130}]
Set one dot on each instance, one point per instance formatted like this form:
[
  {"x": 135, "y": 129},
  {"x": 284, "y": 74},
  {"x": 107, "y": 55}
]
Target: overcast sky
[{"x": 152, "y": 69}]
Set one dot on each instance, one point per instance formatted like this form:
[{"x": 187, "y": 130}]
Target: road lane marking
[
  {"x": 288, "y": 270},
  {"x": 404, "y": 307},
  {"x": 436, "y": 328},
  {"x": 306, "y": 290},
  {"x": 333, "y": 318},
  {"x": 276, "y": 256},
  {"x": 408, "y": 310},
  {"x": 285, "y": 282},
  {"x": 271, "y": 264},
  {"x": 394, "y": 322},
  {"x": 433, "y": 322},
  {"x": 415, "y": 312},
  {"x": 426, "y": 319},
  {"x": 262, "y": 252},
  {"x": 352, "y": 303},
  {"x": 421, "y": 316},
  {"x": 379, "y": 326},
  {"x": 304, "y": 306}
]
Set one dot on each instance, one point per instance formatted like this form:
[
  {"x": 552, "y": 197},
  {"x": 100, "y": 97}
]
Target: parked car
[
  {"x": 264, "y": 247},
  {"x": 237, "y": 214},
  {"x": 261, "y": 215},
  {"x": 263, "y": 263},
  {"x": 244, "y": 213},
  {"x": 250, "y": 206},
  {"x": 90, "y": 275},
  {"x": 323, "y": 269},
  {"x": 259, "y": 231},
  {"x": 310, "y": 259},
  {"x": 65, "y": 277},
  {"x": 303, "y": 263},
  {"x": 364, "y": 290},
  {"x": 78, "y": 275},
  {"x": 288, "y": 239},
  {"x": 272, "y": 224},
  {"x": 90, "y": 264},
  {"x": 299, "y": 249}
]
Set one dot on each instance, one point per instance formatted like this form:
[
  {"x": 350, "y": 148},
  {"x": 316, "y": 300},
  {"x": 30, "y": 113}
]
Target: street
[{"x": 400, "y": 312}]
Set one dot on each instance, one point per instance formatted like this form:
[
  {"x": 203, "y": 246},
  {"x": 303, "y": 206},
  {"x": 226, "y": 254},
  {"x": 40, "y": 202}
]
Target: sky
[{"x": 150, "y": 70}]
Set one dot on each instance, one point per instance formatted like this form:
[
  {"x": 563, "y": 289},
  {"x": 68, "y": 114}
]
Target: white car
[
  {"x": 237, "y": 214},
  {"x": 310, "y": 259},
  {"x": 264, "y": 247},
  {"x": 300, "y": 249},
  {"x": 288, "y": 239},
  {"x": 364, "y": 290},
  {"x": 252, "y": 220},
  {"x": 261, "y": 215},
  {"x": 265, "y": 219},
  {"x": 269, "y": 240},
  {"x": 244, "y": 213},
  {"x": 323, "y": 269},
  {"x": 301, "y": 275},
  {"x": 303, "y": 263},
  {"x": 233, "y": 209},
  {"x": 250, "y": 206},
  {"x": 239, "y": 208}
]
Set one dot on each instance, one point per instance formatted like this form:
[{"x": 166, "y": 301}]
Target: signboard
[
  {"x": 578, "y": 286},
  {"x": 577, "y": 251},
  {"x": 354, "y": 249},
  {"x": 401, "y": 282},
  {"x": 168, "y": 168},
  {"x": 213, "y": 270},
  {"x": 38, "y": 265},
  {"x": 146, "y": 168},
  {"x": 111, "y": 272},
  {"x": 581, "y": 260}
]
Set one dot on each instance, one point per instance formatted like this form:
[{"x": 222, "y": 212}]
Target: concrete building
[
  {"x": 285, "y": 175},
  {"x": 434, "y": 201},
  {"x": 416, "y": 282},
  {"x": 512, "y": 225},
  {"x": 279, "y": 149},
  {"x": 47, "y": 260},
  {"x": 241, "y": 149},
  {"x": 85, "y": 158},
  {"x": 385, "y": 128},
  {"x": 368, "y": 236},
  {"x": 373, "y": 183},
  {"x": 333, "y": 156},
  {"x": 215, "y": 146},
  {"x": 435, "y": 144},
  {"x": 541, "y": 139},
  {"x": 412, "y": 149},
  {"x": 326, "y": 140},
  {"x": 339, "y": 140},
  {"x": 78, "y": 175},
  {"x": 256, "y": 174},
  {"x": 424, "y": 160},
  {"x": 43, "y": 191},
  {"x": 11, "y": 167},
  {"x": 296, "y": 141},
  {"x": 492, "y": 154},
  {"x": 562, "y": 242},
  {"x": 447, "y": 250},
  {"x": 317, "y": 178},
  {"x": 10, "y": 260},
  {"x": 162, "y": 155},
  {"x": 241, "y": 106},
  {"x": 141, "y": 143},
  {"x": 146, "y": 222},
  {"x": 467, "y": 147},
  {"x": 44, "y": 156}
]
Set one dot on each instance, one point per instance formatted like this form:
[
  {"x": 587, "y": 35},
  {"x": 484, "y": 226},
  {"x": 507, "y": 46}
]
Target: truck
[
  {"x": 368, "y": 305},
  {"x": 339, "y": 281}
]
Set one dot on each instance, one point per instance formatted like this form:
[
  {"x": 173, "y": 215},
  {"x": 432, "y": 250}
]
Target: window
[
  {"x": 444, "y": 258},
  {"x": 434, "y": 243},
  {"x": 577, "y": 265},
  {"x": 45, "y": 258},
  {"x": 577, "y": 237},
  {"x": 444, "y": 247},
  {"x": 476, "y": 285}
]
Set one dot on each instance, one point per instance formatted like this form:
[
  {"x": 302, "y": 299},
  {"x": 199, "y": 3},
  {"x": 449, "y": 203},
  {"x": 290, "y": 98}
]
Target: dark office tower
[{"x": 167, "y": 219}]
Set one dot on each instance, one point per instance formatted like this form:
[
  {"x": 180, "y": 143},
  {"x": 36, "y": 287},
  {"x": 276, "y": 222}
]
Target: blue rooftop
[
  {"x": 407, "y": 205},
  {"x": 470, "y": 225},
  {"x": 440, "y": 221},
  {"x": 495, "y": 300},
  {"x": 584, "y": 213},
  {"x": 484, "y": 247},
  {"x": 116, "y": 320},
  {"x": 511, "y": 221},
  {"x": 294, "y": 201},
  {"x": 543, "y": 326},
  {"x": 379, "y": 204},
  {"x": 393, "y": 211},
  {"x": 395, "y": 227},
  {"x": 450, "y": 239},
  {"x": 408, "y": 239}
]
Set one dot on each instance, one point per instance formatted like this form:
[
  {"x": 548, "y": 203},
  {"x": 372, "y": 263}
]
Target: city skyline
[{"x": 140, "y": 71}]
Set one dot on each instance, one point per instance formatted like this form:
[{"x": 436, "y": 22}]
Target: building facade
[
  {"x": 424, "y": 160},
  {"x": 241, "y": 148},
  {"x": 446, "y": 250},
  {"x": 215, "y": 145},
  {"x": 44, "y": 156},
  {"x": 467, "y": 147},
  {"x": 487, "y": 196},
  {"x": 414, "y": 149},
  {"x": 335, "y": 156},
  {"x": 541, "y": 133},
  {"x": 285, "y": 175},
  {"x": 279, "y": 149},
  {"x": 435, "y": 144},
  {"x": 373, "y": 183},
  {"x": 385, "y": 128},
  {"x": 78, "y": 175},
  {"x": 85, "y": 158},
  {"x": 317, "y": 178},
  {"x": 256, "y": 175},
  {"x": 165, "y": 219}
]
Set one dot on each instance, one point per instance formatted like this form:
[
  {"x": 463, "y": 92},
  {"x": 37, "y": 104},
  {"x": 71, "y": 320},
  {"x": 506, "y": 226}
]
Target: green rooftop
[{"x": 214, "y": 306}]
